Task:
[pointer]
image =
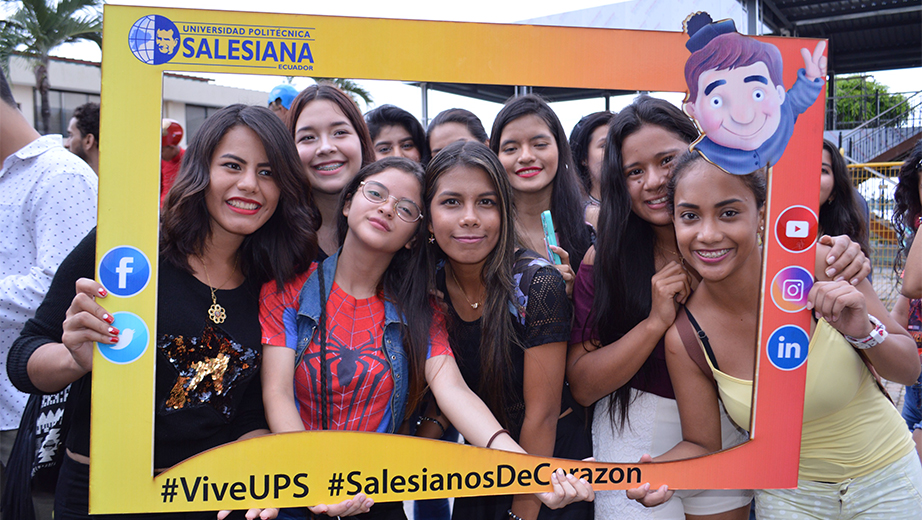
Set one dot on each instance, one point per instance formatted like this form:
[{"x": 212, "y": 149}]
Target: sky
[{"x": 408, "y": 97}]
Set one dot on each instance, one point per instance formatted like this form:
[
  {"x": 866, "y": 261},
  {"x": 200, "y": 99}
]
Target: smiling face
[
  {"x": 242, "y": 193},
  {"x": 166, "y": 41},
  {"x": 465, "y": 215},
  {"x": 447, "y": 133},
  {"x": 329, "y": 146},
  {"x": 395, "y": 141},
  {"x": 717, "y": 220},
  {"x": 376, "y": 224},
  {"x": 646, "y": 160},
  {"x": 529, "y": 154},
  {"x": 738, "y": 108}
]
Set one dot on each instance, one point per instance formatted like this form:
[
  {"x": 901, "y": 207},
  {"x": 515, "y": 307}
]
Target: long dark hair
[
  {"x": 401, "y": 284},
  {"x": 841, "y": 214},
  {"x": 497, "y": 337},
  {"x": 908, "y": 208},
  {"x": 331, "y": 93},
  {"x": 390, "y": 115},
  {"x": 566, "y": 198},
  {"x": 624, "y": 262},
  {"x": 285, "y": 244},
  {"x": 579, "y": 144}
]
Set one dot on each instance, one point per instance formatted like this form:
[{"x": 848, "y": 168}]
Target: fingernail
[
  {"x": 113, "y": 339},
  {"x": 113, "y": 331},
  {"x": 830, "y": 259},
  {"x": 830, "y": 271},
  {"x": 854, "y": 281},
  {"x": 102, "y": 292},
  {"x": 809, "y": 305},
  {"x": 108, "y": 318},
  {"x": 839, "y": 279}
]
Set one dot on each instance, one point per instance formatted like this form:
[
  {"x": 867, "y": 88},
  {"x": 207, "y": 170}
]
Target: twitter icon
[{"x": 132, "y": 342}]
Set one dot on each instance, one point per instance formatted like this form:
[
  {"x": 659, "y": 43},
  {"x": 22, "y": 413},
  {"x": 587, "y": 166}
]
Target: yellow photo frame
[{"x": 140, "y": 43}]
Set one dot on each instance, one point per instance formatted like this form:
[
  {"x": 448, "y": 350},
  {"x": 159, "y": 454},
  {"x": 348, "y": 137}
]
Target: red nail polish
[
  {"x": 108, "y": 317},
  {"x": 114, "y": 339},
  {"x": 102, "y": 292},
  {"x": 113, "y": 331}
]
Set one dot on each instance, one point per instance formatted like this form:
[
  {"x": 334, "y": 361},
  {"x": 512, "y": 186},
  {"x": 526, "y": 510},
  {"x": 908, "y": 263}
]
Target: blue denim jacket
[{"x": 309, "y": 316}]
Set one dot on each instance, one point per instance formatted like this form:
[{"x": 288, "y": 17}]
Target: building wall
[{"x": 78, "y": 77}]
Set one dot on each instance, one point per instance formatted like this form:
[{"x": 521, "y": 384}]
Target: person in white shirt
[{"x": 48, "y": 205}]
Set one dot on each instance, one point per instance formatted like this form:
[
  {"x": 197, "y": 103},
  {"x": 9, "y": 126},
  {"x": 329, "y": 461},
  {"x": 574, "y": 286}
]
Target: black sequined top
[{"x": 207, "y": 381}]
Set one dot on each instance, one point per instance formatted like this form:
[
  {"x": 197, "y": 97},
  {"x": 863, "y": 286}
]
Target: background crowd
[{"x": 362, "y": 272}]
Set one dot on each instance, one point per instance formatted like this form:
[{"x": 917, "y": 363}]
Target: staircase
[{"x": 887, "y": 137}]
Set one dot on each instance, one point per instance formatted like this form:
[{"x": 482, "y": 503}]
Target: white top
[{"x": 48, "y": 205}]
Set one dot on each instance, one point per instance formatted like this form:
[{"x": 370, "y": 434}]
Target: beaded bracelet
[
  {"x": 513, "y": 516},
  {"x": 430, "y": 419}
]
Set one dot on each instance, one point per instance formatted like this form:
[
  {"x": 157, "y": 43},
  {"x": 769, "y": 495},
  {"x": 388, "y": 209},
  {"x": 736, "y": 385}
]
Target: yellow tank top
[{"x": 850, "y": 428}]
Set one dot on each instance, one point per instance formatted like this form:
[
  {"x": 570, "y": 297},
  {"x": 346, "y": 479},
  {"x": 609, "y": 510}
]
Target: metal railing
[
  {"x": 867, "y": 140},
  {"x": 876, "y": 183}
]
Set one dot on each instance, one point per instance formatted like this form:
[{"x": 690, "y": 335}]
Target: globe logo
[{"x": 154, "y": 39}]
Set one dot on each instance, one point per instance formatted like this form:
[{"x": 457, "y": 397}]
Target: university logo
[{"x": 154, "y": 39}]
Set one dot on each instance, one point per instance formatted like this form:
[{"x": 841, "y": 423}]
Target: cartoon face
[
  {"x": 166, "y": 42},
  {"x": 738, "y": 108}
]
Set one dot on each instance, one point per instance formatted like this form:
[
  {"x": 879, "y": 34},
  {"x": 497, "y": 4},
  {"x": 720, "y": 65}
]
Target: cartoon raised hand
[{"x": 815, "y": 64}]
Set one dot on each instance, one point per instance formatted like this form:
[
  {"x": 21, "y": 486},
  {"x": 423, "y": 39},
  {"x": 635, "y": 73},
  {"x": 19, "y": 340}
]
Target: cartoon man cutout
[
  {"x": 166, "y": 41},
  {"x": 736, "y": 95}
]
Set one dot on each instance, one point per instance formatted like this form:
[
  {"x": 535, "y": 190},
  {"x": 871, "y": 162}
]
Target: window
[
  {"x": 195, "y": 116},
  {"x": 62, "y": 105}
]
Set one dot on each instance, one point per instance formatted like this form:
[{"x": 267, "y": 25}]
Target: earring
[{"x": 431, "y": 238}]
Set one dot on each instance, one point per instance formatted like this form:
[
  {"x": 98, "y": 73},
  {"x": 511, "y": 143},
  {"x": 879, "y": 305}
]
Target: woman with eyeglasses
[{"x": 368, "y": 337}]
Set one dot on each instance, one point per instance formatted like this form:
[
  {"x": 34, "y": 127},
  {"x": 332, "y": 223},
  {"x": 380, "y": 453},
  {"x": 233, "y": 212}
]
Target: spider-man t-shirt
[{"x": 360, "y": 379}]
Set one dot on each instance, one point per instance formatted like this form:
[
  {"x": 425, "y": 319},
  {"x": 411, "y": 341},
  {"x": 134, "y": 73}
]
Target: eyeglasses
[{"x": 375, "y": 192}]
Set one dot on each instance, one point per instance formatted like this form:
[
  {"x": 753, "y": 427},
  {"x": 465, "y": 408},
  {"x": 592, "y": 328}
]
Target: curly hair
[{"x": 908, "y": 208}]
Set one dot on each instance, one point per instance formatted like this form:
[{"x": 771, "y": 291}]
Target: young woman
[
  {"x": 625, "y": 300},
  {"x": 532, "y": 146},
  {"x": 856, "y": 457},
  {"x": 508, "y": 318},
  {"x": 239, "y": 215},
  {"x": 396, "y": 133},
  {"x": 907, "y": 311},
  {"x": 455, "y": 124},
  {"x": 368, "y": 342},
  {"x": 587, "y": 141},
  {"x": 334, "y": 145},
  {"x": 842, "y": 210}
]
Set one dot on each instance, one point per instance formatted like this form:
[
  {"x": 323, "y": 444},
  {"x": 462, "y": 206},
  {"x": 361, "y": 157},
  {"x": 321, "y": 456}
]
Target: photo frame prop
[{"x": 306, "y": 468}]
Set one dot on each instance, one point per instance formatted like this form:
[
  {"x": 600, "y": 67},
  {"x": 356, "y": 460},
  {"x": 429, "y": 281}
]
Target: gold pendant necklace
[
  {"x": 216, "y": 312},
  {"x": 474, "y": 305}
]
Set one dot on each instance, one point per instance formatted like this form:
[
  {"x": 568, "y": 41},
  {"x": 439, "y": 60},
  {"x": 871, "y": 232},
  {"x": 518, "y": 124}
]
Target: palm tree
[
  {"x": 350, "y": 87},
  {"x": 38, "y": 27}
]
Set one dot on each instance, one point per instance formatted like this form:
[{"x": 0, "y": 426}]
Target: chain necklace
[
  {"x": 216, "y": 312},
  {"x": 474, "y": 305}
]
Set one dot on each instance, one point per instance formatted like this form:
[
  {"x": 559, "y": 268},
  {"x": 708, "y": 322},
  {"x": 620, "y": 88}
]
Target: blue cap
[
  {"x": 285, "y": 93},
  {"x": 701, "y": 30}
]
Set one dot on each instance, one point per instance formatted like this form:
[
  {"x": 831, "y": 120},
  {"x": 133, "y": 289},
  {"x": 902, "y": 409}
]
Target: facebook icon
[
  {"x": 124, "y": 271},
  {"x": 787, "y": 347}
]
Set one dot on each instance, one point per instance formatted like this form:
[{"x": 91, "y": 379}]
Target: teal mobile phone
[{"x": 550, "y": 237}]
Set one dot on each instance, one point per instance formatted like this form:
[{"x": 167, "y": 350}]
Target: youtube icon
[{"x": 795, "y": 229}]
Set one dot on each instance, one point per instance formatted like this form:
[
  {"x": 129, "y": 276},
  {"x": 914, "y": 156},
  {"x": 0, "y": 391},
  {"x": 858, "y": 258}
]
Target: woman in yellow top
[{"x": 857, "y": 459}]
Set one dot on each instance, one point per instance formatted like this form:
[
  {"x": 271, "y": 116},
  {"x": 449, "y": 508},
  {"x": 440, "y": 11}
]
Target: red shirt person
[{"x": 170, "y": 154}]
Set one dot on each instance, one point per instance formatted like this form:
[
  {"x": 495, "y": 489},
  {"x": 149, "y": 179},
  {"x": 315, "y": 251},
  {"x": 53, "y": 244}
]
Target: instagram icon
[{"x": 790, "y": 288}]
